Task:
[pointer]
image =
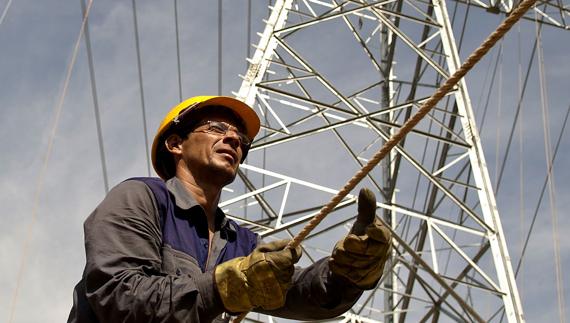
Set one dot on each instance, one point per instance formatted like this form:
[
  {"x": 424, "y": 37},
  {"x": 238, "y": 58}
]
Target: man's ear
[{"x": 173, "y": 144}]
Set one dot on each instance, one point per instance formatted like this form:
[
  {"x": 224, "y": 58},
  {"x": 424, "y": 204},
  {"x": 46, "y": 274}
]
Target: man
[{"x": 160, "y": 250}]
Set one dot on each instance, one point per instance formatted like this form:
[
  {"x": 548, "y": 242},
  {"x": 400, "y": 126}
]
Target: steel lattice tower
[{"x": 332, "y": 80}]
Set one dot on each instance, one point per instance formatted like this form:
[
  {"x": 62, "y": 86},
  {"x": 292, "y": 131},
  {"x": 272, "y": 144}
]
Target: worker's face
[{"x": 209, "y": 155}]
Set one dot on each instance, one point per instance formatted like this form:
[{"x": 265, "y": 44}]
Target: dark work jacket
[{"x": 147, "y": 261}]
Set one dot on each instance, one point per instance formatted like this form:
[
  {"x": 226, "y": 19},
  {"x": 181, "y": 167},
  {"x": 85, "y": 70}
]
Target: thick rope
[
  {"x": 411, "y": 123},
  {"x": 415, "y": 119}
]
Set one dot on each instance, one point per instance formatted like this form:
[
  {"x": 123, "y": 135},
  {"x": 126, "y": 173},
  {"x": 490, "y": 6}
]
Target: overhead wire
[
  {"x": 178, "y": 50},
  {"x": 247, "y": 55},
  {"x": 5, "y": 11},
  {"x": 543, "y": 190},
  {"x": 515, "y": 119},
  {"x": 551, "y": 183},
  {"x": 464, "y": 26},
  {"x": 499, "y": 111},
  {"x": 490, "y": 90},
  {"x": 265, "y": 113},
  {"x": 550, "y": 160},
  {"x": 521, "y": 154},
  {"x": 141, "y": 85},
  {"x": 95, "y": 101},
  {"x": 40, "y": 181},
  {"x": 248, "y": 33},
  {"x": 539, "y": 202},
  {"x": 548, "y": 180},
  {"x": 517, "y": 113},
  {"x": 220, "y": 47}
]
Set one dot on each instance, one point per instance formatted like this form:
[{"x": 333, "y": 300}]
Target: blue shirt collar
[{"x": 185, "y": 201}]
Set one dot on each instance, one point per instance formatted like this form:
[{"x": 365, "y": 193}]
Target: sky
[{"x": 45, "y": 203}]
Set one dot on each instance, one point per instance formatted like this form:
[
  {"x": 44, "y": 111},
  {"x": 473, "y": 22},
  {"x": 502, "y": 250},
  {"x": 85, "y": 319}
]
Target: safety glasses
[{"x": 221, "y": 128}]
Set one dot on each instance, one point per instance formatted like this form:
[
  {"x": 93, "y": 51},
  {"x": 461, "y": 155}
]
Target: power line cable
[
  {"x": 248, "y": 53},
  {"x": 95, "y": 101},
  {"x": 515, "y": 120},
  {"x": 141, "y": 87},
  {"x": 499, "y": 110},
  {"x": 248, "y": 48},
  {"x": 544, "y": 184},
  {"x": 521, "y": 153},
  {"x": 551, "y": 184},
  {"x": 5, "y": 11},
  {"x": 490, "y": 91},
  {"x": 39, "y": 185},
  {"x": 220, "y": 47},
  {"x": 178, "y": 50}
]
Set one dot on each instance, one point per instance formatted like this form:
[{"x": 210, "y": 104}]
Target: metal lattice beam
[{"x": 450, "y": 260}]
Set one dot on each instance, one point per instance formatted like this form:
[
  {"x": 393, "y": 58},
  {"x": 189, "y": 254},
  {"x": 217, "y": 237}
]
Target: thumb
[
  {"x": 366, "y": 211},
  {"x": 273, "y": 246},
  {"x": 296, "y": 253}
]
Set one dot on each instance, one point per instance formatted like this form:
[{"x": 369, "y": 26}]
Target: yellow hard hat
[{"x": 161, "y": 159}]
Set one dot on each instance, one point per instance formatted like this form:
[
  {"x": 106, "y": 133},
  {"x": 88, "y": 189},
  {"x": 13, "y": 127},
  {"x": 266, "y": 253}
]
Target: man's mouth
[{"x": 228, "y": 153}]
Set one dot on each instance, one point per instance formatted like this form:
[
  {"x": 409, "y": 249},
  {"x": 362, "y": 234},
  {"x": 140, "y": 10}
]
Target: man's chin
[{"x": 226, "y": 172}]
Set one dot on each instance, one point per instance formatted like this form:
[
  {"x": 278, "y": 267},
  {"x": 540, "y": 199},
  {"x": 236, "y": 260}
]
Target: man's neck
[{"x": 205, "y": 194}]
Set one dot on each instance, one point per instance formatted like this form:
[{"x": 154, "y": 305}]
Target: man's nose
[{"x": 232, "y": 138}]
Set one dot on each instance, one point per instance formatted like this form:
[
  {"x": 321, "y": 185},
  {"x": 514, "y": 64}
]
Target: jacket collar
[{"x": 185, "y": 201}]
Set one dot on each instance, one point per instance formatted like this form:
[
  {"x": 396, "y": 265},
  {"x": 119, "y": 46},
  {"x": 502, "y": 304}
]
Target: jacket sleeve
[
  {"x": 317, "y": 294},
  {"x": 123, "y": 277}
]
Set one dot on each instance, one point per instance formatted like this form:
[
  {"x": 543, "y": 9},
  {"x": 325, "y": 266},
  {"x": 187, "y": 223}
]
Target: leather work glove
[
  {"x": 258, "y": 280},
  {"x": 361, "y": 255}
]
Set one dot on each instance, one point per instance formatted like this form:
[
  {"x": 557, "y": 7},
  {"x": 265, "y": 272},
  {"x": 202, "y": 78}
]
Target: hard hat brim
[{"x": 242, "y": 110}]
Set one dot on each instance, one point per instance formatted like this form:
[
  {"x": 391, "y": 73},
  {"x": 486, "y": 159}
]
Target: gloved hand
[
  {"x": 258, "y": 280},
  {"x": 361, "y": 255}
]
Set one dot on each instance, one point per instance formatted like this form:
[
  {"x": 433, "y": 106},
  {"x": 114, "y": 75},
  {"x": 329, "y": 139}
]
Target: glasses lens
[
  {"x": 244, "y": 139},
  {"x": 218, "y": 127},
  {"x": 222, "y": 128}
]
